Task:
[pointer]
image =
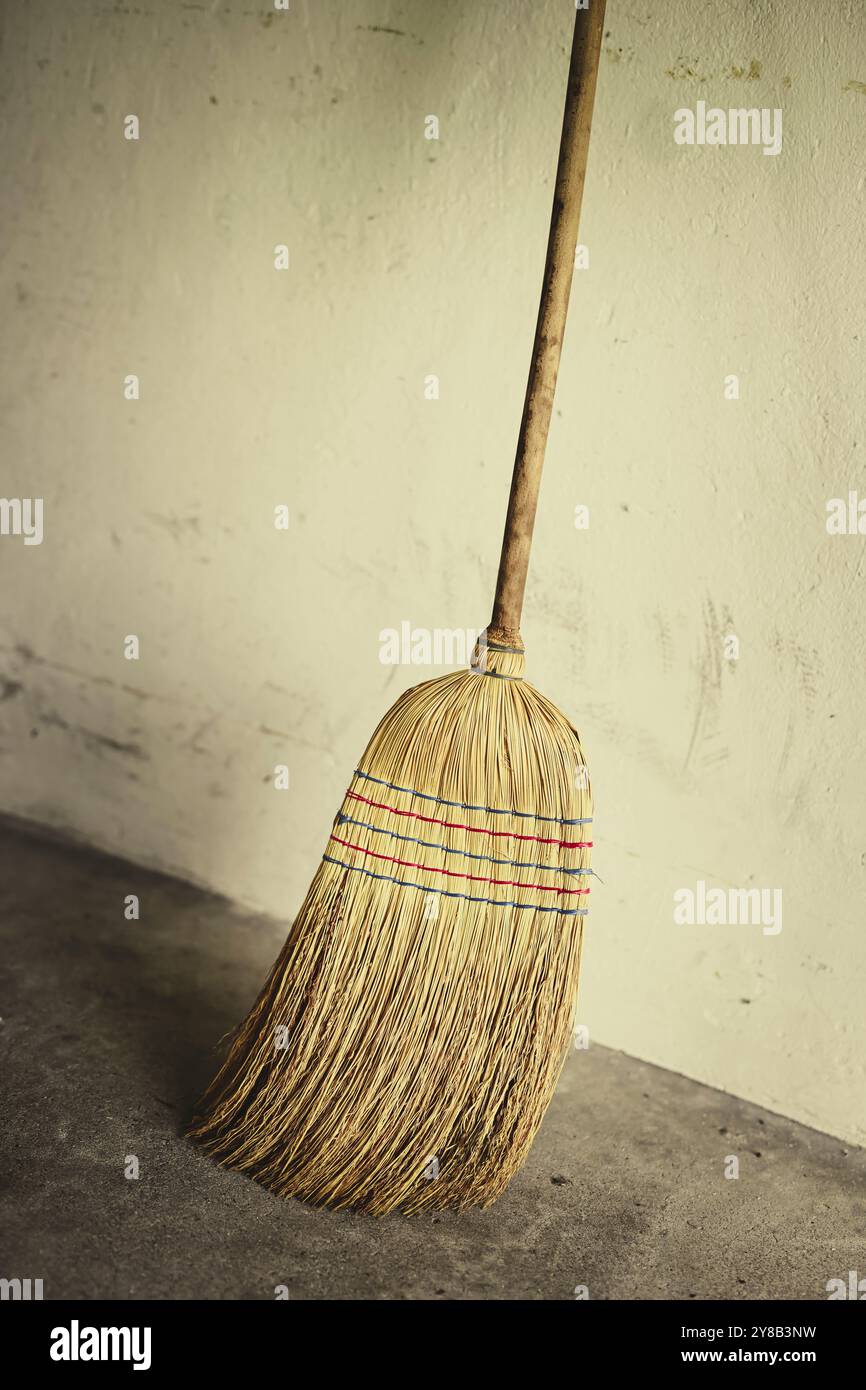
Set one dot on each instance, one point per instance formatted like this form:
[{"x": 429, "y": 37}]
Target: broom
[{"x": 408, "y": 1040}]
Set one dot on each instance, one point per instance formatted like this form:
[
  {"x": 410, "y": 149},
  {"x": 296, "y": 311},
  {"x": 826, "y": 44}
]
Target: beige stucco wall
[{"x": 412, "y": 257}]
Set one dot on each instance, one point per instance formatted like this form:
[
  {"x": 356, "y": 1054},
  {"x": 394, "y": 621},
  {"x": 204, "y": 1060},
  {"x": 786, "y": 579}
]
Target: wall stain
[
  {"x": 193, "y": 741},
  {"x": 750, "y": 74},
  {"x": 319, "y": 741},
  {"x": 177, "y": 526},
  {"x": 665, "y": 641},
  {"x": 688, "y": 70},
  {"x": 705, "y": 725},
  {"x": 807, "y": 665},
  {"x": 385, "y": 29},
  {"x": 93, "y": 739},
  {"x": 29, "y": 657}
]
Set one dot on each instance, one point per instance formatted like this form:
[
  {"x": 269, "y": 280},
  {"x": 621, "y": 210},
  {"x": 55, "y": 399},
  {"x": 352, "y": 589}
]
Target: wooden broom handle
[{"x": 558, "y": 271}]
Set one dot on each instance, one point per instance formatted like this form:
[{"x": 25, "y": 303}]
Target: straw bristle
[{"x": 408, "y": 1041}]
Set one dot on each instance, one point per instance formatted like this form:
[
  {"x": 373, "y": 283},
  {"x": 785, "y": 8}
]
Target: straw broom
[{"x": 408, "y": 1040}]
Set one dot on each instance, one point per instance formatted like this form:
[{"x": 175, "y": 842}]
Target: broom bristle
[{"x": 409, "y": 1038}]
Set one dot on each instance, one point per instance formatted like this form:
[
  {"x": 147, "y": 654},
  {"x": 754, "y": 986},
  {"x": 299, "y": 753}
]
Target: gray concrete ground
[{"x": 108, "y": 1033}]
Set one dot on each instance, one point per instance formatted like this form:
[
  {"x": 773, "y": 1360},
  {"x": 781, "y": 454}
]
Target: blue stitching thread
[
  {"x": 465, "y": 805},
  {"x": 464, "y": 854},
  {"x": 443, "y": 893}
]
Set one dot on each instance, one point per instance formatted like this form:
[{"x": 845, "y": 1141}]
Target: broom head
[{"x": 408, "y": 1040}]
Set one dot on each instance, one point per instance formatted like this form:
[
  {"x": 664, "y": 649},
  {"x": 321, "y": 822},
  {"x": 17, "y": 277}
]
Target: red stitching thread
[
  {"x": 450, "y": 825},
  {"x": 476, "y": 878}
]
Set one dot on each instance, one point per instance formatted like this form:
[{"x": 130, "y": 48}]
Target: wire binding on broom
[
  {"x": 447, "y": 893},
  {"x": 414, "y": 792},
  {"x": 464, "y": 853},
  {"x": 476, "y": 878},
  {"x": 474, "y": 829}
]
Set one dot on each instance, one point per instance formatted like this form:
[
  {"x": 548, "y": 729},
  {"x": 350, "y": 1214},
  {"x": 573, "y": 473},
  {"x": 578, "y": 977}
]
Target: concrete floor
[{"x": 108, "y": 1034}]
